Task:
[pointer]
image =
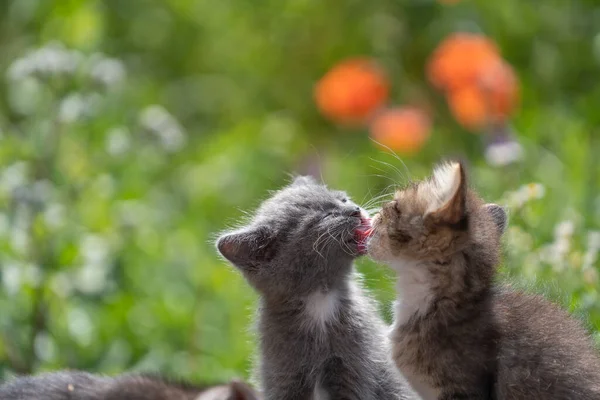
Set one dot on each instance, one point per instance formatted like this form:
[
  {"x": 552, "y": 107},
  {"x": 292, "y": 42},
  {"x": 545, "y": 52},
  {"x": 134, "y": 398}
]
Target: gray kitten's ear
[
  {"x": 499, "y": 215},
  {"x": 304, "y": 180},
  {"x": 248, "y": 247}
]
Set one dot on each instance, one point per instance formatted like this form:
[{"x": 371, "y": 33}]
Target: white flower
[
  {"x": 13, "y": 176},
  {"x": 44, "y": 347},
  {"x": 42, "y": 191},
  {"x": 72, "y": 108},
  {"x": 15, "y": 274},
  {"x": 61, "y": 284},
  {"x": 564, "y": 229},
  {"x": 54, "y": 215},
  {"x": 535, "y": 191},
  {"x": 80, "y": 326},
  {"x": 594, "y": 240},
  {"x": 21, "y": 68},
  {"x": 91, "y": 278},
  {"x": 589, "y": 258},
  {"x": 561, "y": 247},
  {"x": 19, "y": 240},
  {"x": 504, "y": 153},
  {"x": 118, "y": 141},
  {"x": 94, "y": 249},
  {"x": 158, "y": 121},
  {"x": 25, "y": 96},
  {"x": 50, "y": 60},
  {"x": 517, "y": 199},
  {"x": 525, "y": 194},
  {"x": 108, "y": 71},
  {"x": 32, "y": 274},
  {"x": 12, "y": 277}
]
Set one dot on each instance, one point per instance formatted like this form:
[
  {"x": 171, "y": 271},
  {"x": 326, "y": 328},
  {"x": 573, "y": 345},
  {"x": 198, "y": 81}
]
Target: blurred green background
[{"x": 132, "y": 132}]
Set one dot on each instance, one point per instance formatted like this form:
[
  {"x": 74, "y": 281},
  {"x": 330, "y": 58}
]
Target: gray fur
[
  {"x": 499, "y": 214},
  {"x": 77, "y": 385},
  {"x": 299, "y": 247}
]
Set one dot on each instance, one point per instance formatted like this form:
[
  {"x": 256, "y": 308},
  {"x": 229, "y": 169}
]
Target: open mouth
[{"x": 362, "y": 233}]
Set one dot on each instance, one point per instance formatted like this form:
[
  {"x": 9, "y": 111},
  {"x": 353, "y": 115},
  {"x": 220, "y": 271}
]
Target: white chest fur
[
  {"x": 321, "y": 308},
  {"x": 414, "y": 298},
  {"x": 414, "y": 291}
]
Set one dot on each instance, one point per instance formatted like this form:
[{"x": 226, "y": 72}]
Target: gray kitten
[
  {"x": 319, "y": 334},
  {"x": 77, "y": 385},
  {"x": 457, "y": 334}
]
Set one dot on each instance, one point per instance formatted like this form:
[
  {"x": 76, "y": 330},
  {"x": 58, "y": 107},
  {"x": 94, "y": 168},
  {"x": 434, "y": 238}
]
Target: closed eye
[{"x": 400, "y": 237}]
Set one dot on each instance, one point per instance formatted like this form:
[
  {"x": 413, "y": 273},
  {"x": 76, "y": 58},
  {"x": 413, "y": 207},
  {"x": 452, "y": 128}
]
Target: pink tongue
[{"x": 362, "y": 236}]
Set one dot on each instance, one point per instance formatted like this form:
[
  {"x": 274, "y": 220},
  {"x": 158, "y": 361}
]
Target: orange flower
[
  {"x": 468, "y": 107},
  {"x": 351, "y": 91},
  {"x": 460, "y": 59},
  {"x": 491, "y": 99},
  {"x": 402, "y": 129}
]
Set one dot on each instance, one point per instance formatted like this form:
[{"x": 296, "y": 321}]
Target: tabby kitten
[
  {"x": 319, "y": 334},
  {"x": 76, "y": 385},
  {"x": 456, "y": 334}
]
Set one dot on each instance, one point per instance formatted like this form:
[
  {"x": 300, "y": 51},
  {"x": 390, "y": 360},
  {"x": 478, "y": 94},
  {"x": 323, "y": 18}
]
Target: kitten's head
[
  {"x": 302, "y": 238},
  {"x": 436, "y": 218}
]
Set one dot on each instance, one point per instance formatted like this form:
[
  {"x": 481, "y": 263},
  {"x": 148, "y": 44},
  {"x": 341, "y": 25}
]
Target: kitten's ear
[
  {"x": 304, "y": 180},
  {"x": 499, "y": 215},
  {"x": 242, "y": 391},
  {"x": 449, "y": 195},
  {"x": 248, "y": 247}
]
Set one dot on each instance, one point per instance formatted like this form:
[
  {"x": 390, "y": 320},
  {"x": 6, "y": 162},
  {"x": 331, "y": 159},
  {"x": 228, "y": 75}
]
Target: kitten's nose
[{"x": 355, "y": 212}]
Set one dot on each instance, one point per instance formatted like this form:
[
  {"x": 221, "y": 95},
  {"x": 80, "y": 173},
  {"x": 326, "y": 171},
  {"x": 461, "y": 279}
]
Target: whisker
[
  {"x": 377, "y": 199},
  {"x": 379, "y": 175},
  {"x": 394, "y": 168},
  {"x": 396, "y": 156}
]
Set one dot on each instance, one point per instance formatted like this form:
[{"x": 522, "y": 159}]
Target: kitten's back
[
  {"x": 543, "y": 350},
  {"x": 63, "y": 385},
  {"x": 77, "y": 385}
]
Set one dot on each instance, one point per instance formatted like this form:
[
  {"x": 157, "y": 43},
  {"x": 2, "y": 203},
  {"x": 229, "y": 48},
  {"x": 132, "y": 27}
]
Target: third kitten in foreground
[
  {"x": 79, "y": 385},
  {"x": 457, "y": 335}
]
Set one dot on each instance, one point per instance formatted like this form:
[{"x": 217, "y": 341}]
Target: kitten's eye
[
  {"x": 393, "y": 206},
  {"x": 400, "y": 236}
]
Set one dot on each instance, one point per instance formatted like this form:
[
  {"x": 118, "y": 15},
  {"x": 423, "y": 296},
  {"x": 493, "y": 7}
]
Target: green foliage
[{"x": 118, "y": 170}]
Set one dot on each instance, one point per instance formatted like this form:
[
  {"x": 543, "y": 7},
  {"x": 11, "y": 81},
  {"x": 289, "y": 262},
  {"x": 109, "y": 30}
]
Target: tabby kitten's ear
[
  {"x": 499, "y": 215},
  {"x": 448, "y": 194},
  {"x": 248, "y": 247}
]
